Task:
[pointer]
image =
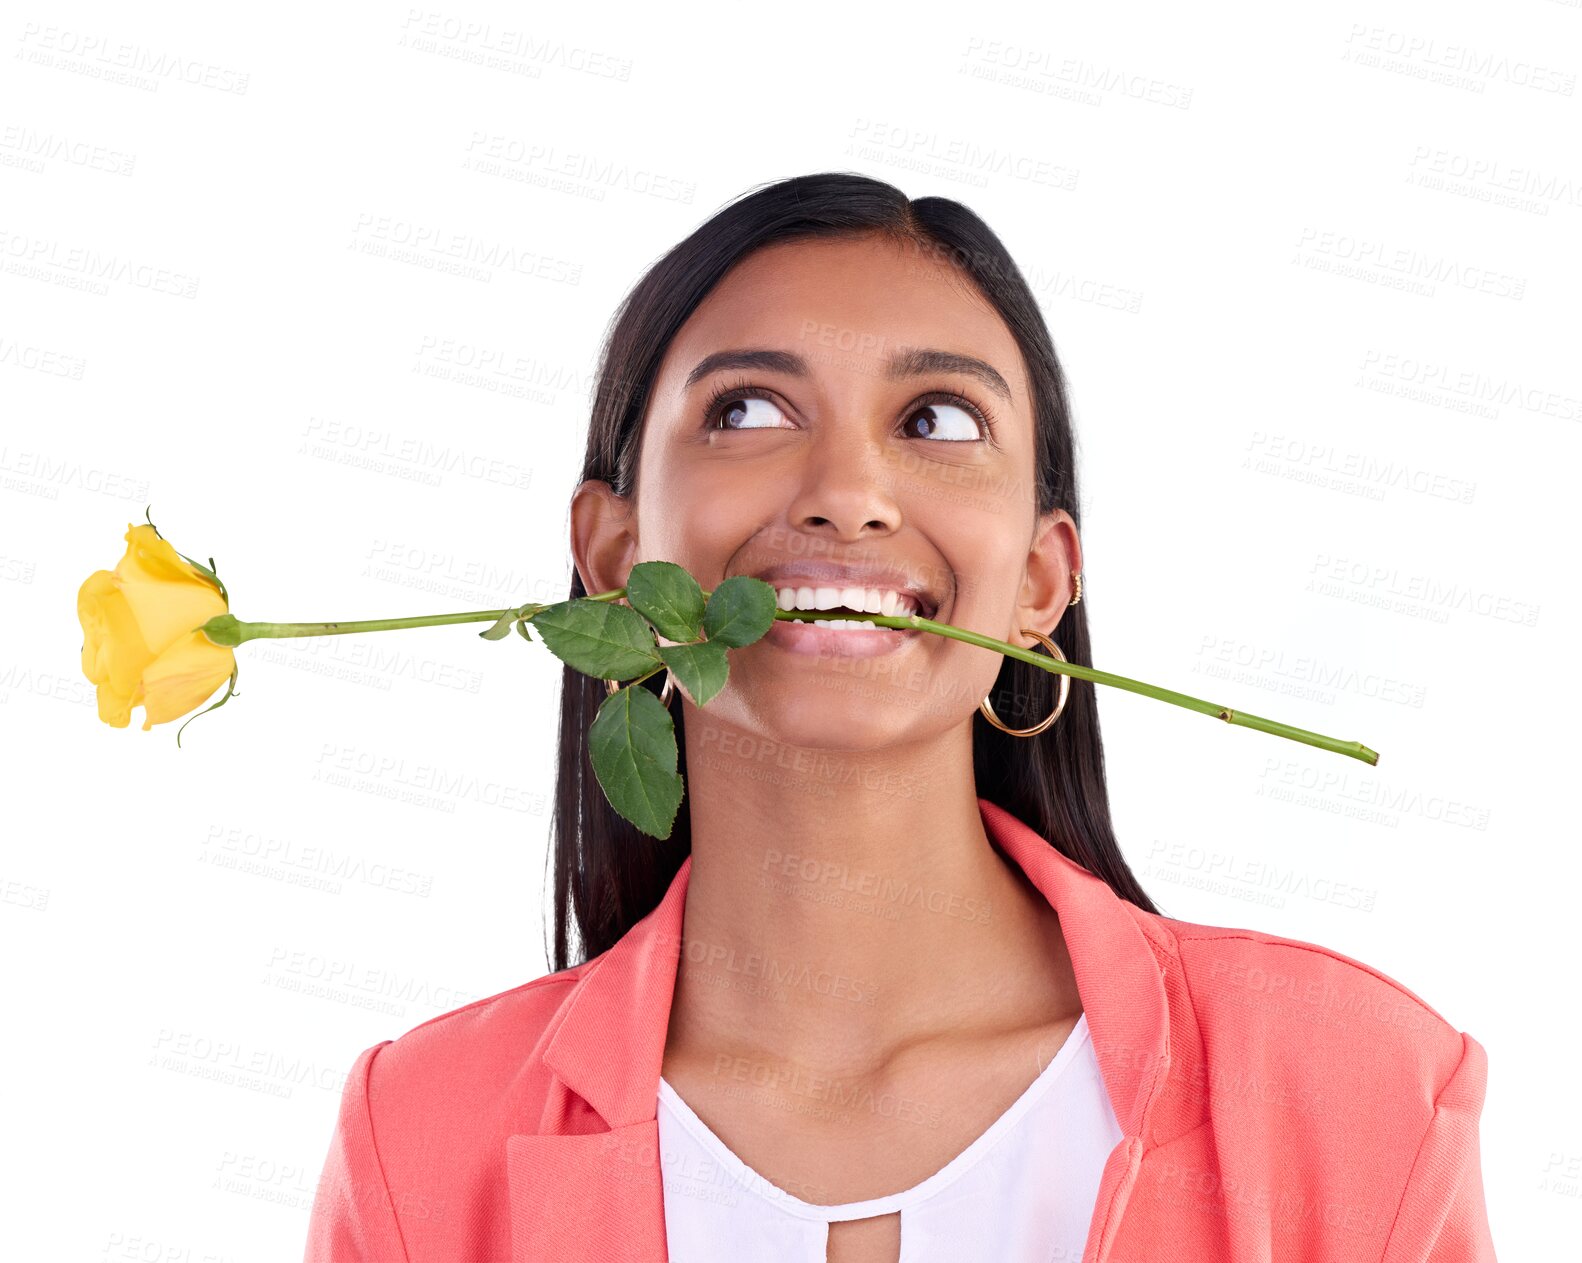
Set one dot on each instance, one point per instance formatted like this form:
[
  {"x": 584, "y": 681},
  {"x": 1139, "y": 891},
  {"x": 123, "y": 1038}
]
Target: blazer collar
[
  {"x": 577, "y": 1193},
  {"x": 623, "y": 1000}
]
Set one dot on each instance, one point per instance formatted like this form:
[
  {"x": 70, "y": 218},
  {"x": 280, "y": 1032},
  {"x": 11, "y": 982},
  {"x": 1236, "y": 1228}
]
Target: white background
[{"x": 1313, "y": 274}]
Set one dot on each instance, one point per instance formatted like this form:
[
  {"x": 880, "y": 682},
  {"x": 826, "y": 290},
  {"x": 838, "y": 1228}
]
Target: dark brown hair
[{"x": 608, "y": 874}]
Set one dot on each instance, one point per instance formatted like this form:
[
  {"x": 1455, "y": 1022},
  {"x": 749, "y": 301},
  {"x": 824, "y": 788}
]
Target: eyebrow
[{"x": 907, "y": 362}]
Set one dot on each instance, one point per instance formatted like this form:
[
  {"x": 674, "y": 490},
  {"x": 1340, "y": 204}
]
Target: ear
[
  {"x": 603, "y": 536},
  {"x": 1053, "y": 560}
]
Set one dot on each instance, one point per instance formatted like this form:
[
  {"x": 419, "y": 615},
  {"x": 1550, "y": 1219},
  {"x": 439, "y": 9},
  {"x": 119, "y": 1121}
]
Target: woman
[{"x": 889, "y": 991}]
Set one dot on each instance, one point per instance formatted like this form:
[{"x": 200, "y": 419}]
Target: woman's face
[{"x": 886, "y": 441}]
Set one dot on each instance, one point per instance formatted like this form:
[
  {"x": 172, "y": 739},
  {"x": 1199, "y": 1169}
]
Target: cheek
[
  {"x": 698, "y": 521},
  {"x": 979, "y": 544}
]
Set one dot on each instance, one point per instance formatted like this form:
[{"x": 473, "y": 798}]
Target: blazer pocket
[{"x": 595, "y": 1197}]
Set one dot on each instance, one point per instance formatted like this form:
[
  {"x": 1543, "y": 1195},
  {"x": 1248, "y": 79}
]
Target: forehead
[{"x": 846, "y": 304}]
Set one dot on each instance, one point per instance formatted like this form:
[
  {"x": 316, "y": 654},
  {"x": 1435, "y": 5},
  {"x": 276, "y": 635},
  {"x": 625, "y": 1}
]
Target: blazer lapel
[
  {"x": 1123, "y": 994},
  {"x": 587, "y": 1185}
]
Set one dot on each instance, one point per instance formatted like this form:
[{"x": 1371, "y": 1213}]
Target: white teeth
[{"x": 883, "y": 601}]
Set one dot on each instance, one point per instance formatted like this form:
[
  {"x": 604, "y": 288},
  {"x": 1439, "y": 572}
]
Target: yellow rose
[{"x": 141, "y": 643}]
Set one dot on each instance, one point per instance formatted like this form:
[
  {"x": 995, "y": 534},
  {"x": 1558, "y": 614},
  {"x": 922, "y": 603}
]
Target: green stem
[
  {"x": 282, "y": 631},
  {"x": 1237, "y": 718}
]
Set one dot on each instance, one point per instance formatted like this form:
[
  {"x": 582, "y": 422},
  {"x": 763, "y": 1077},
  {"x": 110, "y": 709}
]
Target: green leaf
[
  {"x": 668, "y": 597},
  {"x": 522, "y": 627},
  {"x": 632, "y": 743},
  {"x": 502, "y": 626},
  {"x": 597, "y": 638},
  {"x": 740, "y": 611},
  {"x": 701, "y": 668}
]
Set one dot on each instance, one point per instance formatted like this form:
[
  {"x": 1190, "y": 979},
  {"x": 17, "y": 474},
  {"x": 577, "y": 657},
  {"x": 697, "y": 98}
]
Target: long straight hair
[{"x": 607, "y": 873}]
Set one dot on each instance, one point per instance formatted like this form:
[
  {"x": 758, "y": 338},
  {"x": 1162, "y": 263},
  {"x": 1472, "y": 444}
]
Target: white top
[{"x": 1024, "y": 1190}]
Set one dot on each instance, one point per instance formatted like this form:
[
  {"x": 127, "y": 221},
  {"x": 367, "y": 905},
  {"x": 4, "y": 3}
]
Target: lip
[{"x": 796, "y": 636}]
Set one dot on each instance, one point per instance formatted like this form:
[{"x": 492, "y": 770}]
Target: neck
[{"x": 841, "y": 906}]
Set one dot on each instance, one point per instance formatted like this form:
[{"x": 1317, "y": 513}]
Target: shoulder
[
  {"x": 415, "y": 1162},
  {"x": 1316, "y": 1014},
  {"x": 1302, "y": 1077},
  {"x": 484, "y": 1058}
]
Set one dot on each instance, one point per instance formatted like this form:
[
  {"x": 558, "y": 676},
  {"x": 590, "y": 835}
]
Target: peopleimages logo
[
  {"x": 101, "y": 57},
  {"x": 894, "y": 892},
  {"x": 47, "y": 259},
  {"x": 1406, "y": 261},
  {"x": 1374, "y": 45},
  {"x": 1470, "y": 383},
  {"x": 429, "y": 244}
]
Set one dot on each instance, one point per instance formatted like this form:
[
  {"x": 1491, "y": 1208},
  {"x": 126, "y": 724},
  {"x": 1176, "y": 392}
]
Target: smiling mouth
[
  {"x": 838, "y": 622},
  {"x": 850, "y": 608},
  {"x": 853, "y": 620}
]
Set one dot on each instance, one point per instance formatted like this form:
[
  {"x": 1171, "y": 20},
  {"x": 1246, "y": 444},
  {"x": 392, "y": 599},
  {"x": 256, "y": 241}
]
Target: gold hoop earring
[
  {"x": 1065, "y": 689},
  {"x": 611, "y": 688},
  {"x": 1077, "y": 579}
]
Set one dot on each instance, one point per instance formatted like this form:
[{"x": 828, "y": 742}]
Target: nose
[{"x": 843, "y": 489}]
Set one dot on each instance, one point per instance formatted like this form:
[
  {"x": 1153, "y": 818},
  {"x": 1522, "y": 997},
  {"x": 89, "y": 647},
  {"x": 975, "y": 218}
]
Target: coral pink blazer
[{"x": 1280, "y": 1101}]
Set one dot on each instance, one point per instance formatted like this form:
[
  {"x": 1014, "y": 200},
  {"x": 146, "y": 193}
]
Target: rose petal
[
  {"x": 166, "y": 596},
  {"x": 116, "y": 708},
  {"x": 113, "y": 650},
  {"x": 182, "y": 678}
]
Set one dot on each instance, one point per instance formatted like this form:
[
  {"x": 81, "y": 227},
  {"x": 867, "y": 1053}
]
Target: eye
[
  {"x": 943, "y": 416},
  {"x": 735, "y": 410},
  {"x": 949, "y": 418}
]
